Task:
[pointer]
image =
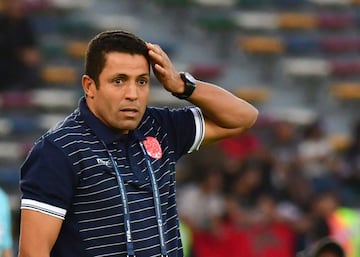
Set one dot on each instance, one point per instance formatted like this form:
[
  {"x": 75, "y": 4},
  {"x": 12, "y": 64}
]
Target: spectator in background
[
  {"x": 325, "y": 247},
  {"x": 317, "y": 158},
  {"x": 19, "y": 57},
  {"x": 352, "y": 166},
  {"x": 201, "y": 204},
  {"x": 6, "y": 242},
  {"x": 283, "y": 146}
]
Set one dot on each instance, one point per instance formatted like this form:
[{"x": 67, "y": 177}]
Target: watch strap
[{"x": 188, "y": 88}]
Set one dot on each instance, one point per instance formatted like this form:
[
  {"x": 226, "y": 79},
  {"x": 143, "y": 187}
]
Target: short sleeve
[
  {"x": 185, "y": 127},
  {"x": 47, "y": 180}
]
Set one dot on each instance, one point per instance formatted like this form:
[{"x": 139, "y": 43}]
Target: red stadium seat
[
  {"x": 16, "y": 100},
  {"x": 335, "y": 21},
  {"x": 206, "y": 71},
  {"x": 340, "y": 44},
  {"x": 345, "y": 67}
]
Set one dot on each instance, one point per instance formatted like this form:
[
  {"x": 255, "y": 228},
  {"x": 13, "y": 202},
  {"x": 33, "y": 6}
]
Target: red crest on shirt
[{"x": 153, "y": 147}]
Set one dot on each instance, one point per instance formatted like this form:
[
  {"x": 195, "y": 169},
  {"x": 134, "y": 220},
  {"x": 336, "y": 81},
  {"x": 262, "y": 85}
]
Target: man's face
[{"x": 122, "y": 94}]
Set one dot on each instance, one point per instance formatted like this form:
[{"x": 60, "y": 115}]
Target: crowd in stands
[{"x": 274, "y": 191}]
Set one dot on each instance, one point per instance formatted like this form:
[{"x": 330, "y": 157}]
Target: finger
[{"x": 159, "y": 69}]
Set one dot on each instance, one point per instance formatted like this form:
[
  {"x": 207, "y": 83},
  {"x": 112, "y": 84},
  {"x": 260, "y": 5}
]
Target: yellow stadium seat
[
  {"x": 76, "y": 49},
  {"x": 59, "y": 74},
  {"x": 253, "y": 94},
  {"x": 261, "y": 44},
  {"x": 346, "y": 91},
  {"x": 340, "y": 142},
  {"x": 297, "y": 21}
]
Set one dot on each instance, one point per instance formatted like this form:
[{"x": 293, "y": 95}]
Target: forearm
[
  {"x": 222, "y": 107},
  {"x": 7, "y": 253}
]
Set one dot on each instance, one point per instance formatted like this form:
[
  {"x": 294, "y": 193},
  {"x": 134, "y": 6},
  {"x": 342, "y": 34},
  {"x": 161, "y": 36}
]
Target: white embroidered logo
[{"x": 107, "y": 163}]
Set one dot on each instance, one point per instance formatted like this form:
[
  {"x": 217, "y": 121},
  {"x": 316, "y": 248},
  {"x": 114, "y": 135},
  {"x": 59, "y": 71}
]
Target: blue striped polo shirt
[{"x": 68, "y": 175}]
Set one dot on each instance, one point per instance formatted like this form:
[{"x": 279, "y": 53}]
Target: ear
[{"x": 88, "y": 85}]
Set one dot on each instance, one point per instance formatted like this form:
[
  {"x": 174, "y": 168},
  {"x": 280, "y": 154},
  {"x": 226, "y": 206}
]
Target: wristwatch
[{"x": 190, "y": 85}]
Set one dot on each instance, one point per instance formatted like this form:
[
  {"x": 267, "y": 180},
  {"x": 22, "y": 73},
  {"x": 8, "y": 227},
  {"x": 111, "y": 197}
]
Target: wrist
[{"x": 189, "y": 83}]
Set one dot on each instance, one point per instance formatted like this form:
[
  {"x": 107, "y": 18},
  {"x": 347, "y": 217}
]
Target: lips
[{"x": 130, "y": 111}]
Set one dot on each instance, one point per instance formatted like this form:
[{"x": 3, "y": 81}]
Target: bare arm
[
  {"x": 38, "y": 233},
  {"x": 225, "y": 114},
  {"x": 7, "y": 253}
]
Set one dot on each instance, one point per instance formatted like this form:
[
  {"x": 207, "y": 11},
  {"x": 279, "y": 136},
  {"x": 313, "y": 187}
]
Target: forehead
[{"x": 126, "y": 61}]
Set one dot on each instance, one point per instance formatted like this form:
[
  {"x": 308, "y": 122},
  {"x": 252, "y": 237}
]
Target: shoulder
[
  {"x": 65, "y": 131},
  {"x": 71, "y": 126}
]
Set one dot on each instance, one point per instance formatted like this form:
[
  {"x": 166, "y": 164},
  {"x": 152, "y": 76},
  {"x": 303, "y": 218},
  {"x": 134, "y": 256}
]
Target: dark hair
[
  {"x": 111, "y": 41},
  {"x": 324, "y": 245}
]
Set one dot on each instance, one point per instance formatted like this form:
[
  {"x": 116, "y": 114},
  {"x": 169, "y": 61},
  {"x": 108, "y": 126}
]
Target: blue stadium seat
[{"x": 300, "y": 44}]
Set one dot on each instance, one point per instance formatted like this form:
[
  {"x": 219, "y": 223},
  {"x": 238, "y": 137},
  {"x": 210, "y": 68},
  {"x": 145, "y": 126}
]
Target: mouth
[{"x": 129, "y": 111}]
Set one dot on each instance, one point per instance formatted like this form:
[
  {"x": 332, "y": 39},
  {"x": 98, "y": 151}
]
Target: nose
[{"x": 131, "y": 92}]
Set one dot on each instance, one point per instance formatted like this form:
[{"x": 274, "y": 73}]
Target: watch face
[{"x": 190, "y": 78}]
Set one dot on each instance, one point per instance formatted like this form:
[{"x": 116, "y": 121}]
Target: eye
[
  {"x": 143, "y": 82},
  {"x": 118, "y": 81}
]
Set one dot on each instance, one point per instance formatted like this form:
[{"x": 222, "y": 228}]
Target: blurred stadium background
[{"x": 296, "y": 60}]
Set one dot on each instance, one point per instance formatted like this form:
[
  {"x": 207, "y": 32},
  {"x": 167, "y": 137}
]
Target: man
[
  {"x": 19, "y": 56},
  {"x": 325, "y": 247},
  {"x": 102, "y": 182},
  {"x": 6, "y": 242}
]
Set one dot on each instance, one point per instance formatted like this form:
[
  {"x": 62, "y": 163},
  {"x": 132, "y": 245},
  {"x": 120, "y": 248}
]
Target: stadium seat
[
  {"x": 306, "y": 67},
  {"x": 206, "y": 71},
  {"x": 338, "y": 44},
  {"x": 293, "y": 20},
  {"x": 175, "y": 3},
  {"x": 76, "y": 49},
  {"x": 261, "y": 45},
  {"x": 17, "y": 99},
  {"x": 216, "y": 22},
  {"x": 215, "y": 3},
  {"x": 300, "y": 44},
  {"x": 289, "y": 3},
  {"x": 52, "y": 48},
  {"x": 345, "y": 67},
  {"x": 335, "y": 20},
  {"x": 253, "y": 3},
  {"x": 53, "y": 99},
  {"x": 9, "y": 175},
  {"x": 37, "y": 5},
  {"x": 254, "y": 94},
  {"x": 10, "y": 151},
  {"x": 45, "y": 23},
  {"x": 59, "y": 75},
  {"x": 346, "y": 90},
  {"x": 27, "y": 124},
  {"x": 70, "y": 4},
  {"x": 116, "y": 21},
  {"x": 325, "y": 3},
  {"x": 255, "y": 20},
  {"x": 80, "y": 28}
]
